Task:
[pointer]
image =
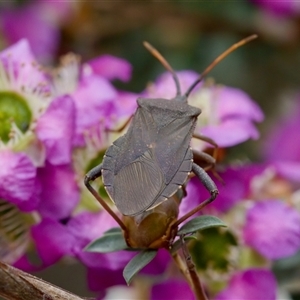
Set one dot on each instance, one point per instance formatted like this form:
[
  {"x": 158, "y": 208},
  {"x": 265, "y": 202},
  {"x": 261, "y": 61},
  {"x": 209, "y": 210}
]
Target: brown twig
[
  {"x": 182, "y": 267},
  {"x": 189, "y": 272},
  {"x": 18, "y": 285},
  {"x": 197, "y": 286}
]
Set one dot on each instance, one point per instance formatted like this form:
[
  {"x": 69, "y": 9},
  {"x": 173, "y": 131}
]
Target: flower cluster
[
  {"x": 55, "y": 127},
  {"x": 46, "y": 116}
]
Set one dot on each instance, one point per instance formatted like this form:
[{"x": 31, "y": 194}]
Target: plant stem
[
  {"x": 197, "y": 286},
  {"x": 182, "y": 267},
  {"x": 189, "y": 272}
]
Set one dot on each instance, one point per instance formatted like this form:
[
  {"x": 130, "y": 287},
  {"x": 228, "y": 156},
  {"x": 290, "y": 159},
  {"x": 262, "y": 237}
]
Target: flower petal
[
  {"x": 17, "y": 177},
  {"x": 111, "y": 67},
  {"x": 231, "y": 132},
  {"x": 233, "y": 102},
  {"x": 125, "y": 104},
  {"x": 59, "y": 191},
  {"x": 52, "y": 240},
  {"x": 55, "y": 130},
  {"x": 172, "y": 289},
  {"x": 283, "y": 141},
  {"x": 164, "y": 86},
  {"x": 288, "y": 169},
  {"x": 265, "y": 232},
  {"x": 88, "y": 226},
  {"x": 22, "y": 66},
  {"x": 254, "y": 283},
  {"x": 19, "y": 52},
  {"x": 26, "y": 265},
  {"x": 33, "y": 202},
  {"x": 93, "y": 100}
]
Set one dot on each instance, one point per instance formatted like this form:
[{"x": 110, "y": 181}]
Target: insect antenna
[
  {"x": 218, "y": 59},
  {"x": 163, "y": 61}
]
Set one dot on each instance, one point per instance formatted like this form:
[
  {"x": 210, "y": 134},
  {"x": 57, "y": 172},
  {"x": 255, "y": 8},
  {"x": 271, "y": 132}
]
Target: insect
[{"x": 144, "y": 170}]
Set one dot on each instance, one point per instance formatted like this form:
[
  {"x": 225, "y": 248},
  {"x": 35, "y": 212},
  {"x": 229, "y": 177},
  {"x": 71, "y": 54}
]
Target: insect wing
[
  {"x": 136, "y": 178},
  {"x": 136, "y": 141},
  {"x": 172, "y": 144},
  {"x": 137, "y": 185}
]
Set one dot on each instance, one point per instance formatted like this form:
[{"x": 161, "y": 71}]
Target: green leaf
[
  {"x": 200, "y": 223},
  {"x": 111, "y": 241},
  {"x": 113, "y": 230},
  {"x": 137, "y": 263}
]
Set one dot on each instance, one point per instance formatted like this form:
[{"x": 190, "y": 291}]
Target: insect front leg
[
  {"x": 120, "y": 129},
  {"x": 91, "y": 176},
  {"x": 209, "y": 141},
  {"x": 207, "y": 162},
  {"x": 208, "y": 184},
  {"x": 210, "y": 160}
]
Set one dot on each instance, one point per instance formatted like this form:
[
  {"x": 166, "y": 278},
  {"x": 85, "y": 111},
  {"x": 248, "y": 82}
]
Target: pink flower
[
  {"x": 98, "y": 104},
  {"x": 111, "y": 67},
  {"x": 273, "y": 229},
  {"x": 282, "y": 146},
  {"x": 258, "y": 284}
]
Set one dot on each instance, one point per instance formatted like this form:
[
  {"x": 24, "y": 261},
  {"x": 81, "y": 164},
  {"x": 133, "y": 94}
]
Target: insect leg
[
  {"x": 94, "y": 173},
  {"x": 208, "y": 184},
  {"x": 91, "y": 176},
  {"x": 120, "y": 129},
  {"x": 207, "y": 162},
  {"x": 209, "y": 141}
]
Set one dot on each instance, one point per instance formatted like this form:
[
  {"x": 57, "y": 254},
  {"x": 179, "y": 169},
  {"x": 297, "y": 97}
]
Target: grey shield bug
[{"x": 144, "y": 170}]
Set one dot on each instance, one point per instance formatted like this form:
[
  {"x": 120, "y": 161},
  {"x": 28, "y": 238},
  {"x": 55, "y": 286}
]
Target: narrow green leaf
[
  {"x": 137, "y": 263},
  {"x": 113, "y": 230},
  {"x": 108, "y": 243},
  {"x": 200, "y": 223}
]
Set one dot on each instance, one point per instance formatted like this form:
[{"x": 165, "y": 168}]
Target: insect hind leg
[{"x": 208, "y": 184}]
